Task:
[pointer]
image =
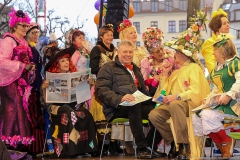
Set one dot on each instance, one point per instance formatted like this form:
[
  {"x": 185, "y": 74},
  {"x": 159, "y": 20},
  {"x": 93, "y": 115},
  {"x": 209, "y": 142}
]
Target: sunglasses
[{"x": 24, "y": 25}]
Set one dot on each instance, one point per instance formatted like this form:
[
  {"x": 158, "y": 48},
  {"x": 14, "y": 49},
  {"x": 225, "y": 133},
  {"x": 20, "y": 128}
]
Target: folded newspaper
[
  {"x": 211, "y": 102},
  {"x": 68, "y": 87},
  {"x": 139, "y": 97}
]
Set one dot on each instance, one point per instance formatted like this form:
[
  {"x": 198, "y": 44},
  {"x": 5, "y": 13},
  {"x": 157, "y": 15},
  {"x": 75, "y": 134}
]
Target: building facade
[
  {"x": 167, "y": 15},
  {"x": 232, "y": 7}
]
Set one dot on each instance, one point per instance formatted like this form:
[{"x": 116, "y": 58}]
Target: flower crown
[
  {"x": 222, "y": 39},
  {"x": 152, "y": 38},
  {"x": 18, "y": 16},
  {"x": 218, "y": 12},
  {"x": 189, "y": 42},
  {"x": 125, "y": 24}
]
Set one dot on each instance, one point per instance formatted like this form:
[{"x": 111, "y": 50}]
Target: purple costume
[{"x": 15, "y": 89}]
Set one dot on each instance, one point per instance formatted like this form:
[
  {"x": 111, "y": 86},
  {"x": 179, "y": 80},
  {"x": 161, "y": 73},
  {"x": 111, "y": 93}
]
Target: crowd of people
[{"x": 170, "y": 72}]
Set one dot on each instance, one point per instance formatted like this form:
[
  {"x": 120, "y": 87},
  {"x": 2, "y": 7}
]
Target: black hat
[{"x": 62, "y": 52}]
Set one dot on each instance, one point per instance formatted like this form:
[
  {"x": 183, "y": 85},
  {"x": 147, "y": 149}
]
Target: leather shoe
[
  {"x": 143, "y": 153},
  {"x": 172, "y": 153},
  {"x": 156, "y": 153},
  {"x": 184, "y": 151}
]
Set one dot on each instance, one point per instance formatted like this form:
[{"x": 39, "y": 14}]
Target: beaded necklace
[{"x": 155, "y": 70}]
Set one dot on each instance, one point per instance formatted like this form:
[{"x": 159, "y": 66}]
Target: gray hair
[{"x": 125, "y": 42}]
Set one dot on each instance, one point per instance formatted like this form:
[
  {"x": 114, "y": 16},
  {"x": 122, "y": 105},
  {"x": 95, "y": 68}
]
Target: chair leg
[
  {"x": 103, "y": 140},
  {"x": 124, "y": 138},
  {"x": 211, "y": 151},
  {"x": 135, "y": 148},
  {"x": 153, "y": 140}
]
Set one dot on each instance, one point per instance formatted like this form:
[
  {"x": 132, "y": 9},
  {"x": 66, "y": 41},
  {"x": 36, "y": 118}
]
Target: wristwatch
[{"x": 178, "y": 97}]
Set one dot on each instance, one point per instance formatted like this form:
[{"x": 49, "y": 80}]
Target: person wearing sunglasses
[
  {"x": 17, "y": 72},
  {"x": 35, "y": 109}
]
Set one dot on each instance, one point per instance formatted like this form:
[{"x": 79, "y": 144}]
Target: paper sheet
[
  {"x": 83, "y": 92},
  {"x": 139, "y": 97}
]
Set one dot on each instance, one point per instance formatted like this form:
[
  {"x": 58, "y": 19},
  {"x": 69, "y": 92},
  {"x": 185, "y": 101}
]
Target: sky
[{"x": 72, "y": 8}]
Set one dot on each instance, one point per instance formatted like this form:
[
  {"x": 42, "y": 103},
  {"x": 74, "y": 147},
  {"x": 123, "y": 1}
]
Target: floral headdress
[
  {"x": 189, "y": 42},
  {"x": 125, "y": 24},
  {"x": 200, "y": 18},
  {"x": 218, "y": 12},
  {"x": 68, "y": 36},
  {"x": 152, "y": 38},
  {"x": 18, "y": 16},
  {"x": 32, "y": 26},
  {"x": 222, "y": 39}
]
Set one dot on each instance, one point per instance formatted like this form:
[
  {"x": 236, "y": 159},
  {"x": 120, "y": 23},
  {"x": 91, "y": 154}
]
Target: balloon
[
  {"x": 97, "y": 5},
  {"x": 96, "y": 18},
  {"x": 131, "y": 11}
]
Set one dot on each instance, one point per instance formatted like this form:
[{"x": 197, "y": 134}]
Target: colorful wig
[
  {"x": 55, "y": 66},
  {"x": 18, "y": 16}
]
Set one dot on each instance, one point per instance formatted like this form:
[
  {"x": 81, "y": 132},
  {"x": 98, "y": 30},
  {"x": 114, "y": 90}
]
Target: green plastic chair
[{"x": 121, "y": 121}]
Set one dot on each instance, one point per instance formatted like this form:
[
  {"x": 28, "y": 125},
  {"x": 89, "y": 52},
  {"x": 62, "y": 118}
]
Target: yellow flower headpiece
[{"x": 218, "y": 12}]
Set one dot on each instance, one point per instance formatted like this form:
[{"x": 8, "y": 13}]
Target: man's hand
[
  {"x": 167, "y": 67},
  {"x": 168, "y": 99},
  {"x": 128, "y": 98},
  {"x": 224, "y": 100}
]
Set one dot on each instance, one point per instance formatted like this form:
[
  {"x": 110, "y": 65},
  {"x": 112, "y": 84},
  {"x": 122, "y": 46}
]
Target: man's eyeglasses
[
  {"x": 35, "y": 32},
  {"x": 24, "y": 25}
]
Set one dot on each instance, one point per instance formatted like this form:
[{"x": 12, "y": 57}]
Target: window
[
  {"x": 238, "y": 50},
  {"x": 136, "y": 6},
  {"x": 169, "y": 5},
  {"x": 183, "y": 5},
  {"x": 237, "y": 15},
  {"x": 182, "y": 25},
  {"x": 238, "y": 34},
  {"x": 138, "y": 43},
  {"x": 137, "y": 25},
  {"x": 171, "y": 26},
  {"x": 154, "y": 24},
  {"x": 154, "y": 7}
]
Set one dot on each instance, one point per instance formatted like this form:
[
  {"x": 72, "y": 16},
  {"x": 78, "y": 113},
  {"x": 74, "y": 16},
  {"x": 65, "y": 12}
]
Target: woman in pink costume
[
  {"x": 17, "y": 73},
  {"x": 151, "y": 66}
]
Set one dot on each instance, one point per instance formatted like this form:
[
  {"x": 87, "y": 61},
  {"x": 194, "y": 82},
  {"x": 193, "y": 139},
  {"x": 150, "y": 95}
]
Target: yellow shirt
[
  {"x": 207, "y": 52},
  {"x": 188, "y": 81}
]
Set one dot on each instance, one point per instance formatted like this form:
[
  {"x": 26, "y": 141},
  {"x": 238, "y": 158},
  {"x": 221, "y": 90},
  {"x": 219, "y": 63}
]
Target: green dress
[{"x": 224, "y": 79}]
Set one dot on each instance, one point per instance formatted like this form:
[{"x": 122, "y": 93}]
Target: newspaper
[
  {"x": 211, "y": 102},
  {"x": 68, "y": 87},
  {"x": 139, "y": 97}
]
